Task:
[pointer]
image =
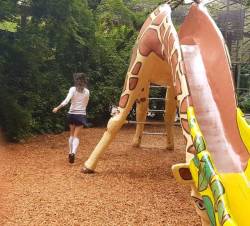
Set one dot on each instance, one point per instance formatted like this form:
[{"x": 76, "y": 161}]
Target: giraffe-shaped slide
[
  {"x": 217, "y": 150},
  {"x": 151, "y": 62},
  {"x": 197, "y": 70}
]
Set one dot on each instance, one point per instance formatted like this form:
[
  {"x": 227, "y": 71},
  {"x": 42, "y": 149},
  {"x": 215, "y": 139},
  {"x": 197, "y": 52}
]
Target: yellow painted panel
[
  {"x": 238, "y": 195},
  {"x": 244, "y": 129}
]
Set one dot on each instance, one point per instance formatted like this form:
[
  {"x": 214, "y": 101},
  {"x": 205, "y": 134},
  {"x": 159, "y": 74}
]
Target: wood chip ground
[{"x": 132, "y": 186}]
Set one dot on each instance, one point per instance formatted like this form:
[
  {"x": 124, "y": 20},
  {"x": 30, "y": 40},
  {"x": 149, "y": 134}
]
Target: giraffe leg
[
  {"x": 170, "y": 106},
  {"x": 141, "y": 114},
  {"x": 114, "y": 125}
]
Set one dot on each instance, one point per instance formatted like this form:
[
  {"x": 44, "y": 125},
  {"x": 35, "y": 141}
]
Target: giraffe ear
[{"x": 182, "y": 173}]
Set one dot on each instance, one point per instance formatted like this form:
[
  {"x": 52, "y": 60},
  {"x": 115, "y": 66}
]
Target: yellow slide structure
[{"x": 218, "y": 156}]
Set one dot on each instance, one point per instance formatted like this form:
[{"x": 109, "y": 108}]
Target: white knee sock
[
  {"x": 75, "y": 145},
  {"x": 70, "y": 144}
]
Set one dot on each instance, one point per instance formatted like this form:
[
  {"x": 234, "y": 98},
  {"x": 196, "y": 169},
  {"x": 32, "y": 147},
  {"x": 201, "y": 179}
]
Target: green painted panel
[{"x": 210, "y": 210}]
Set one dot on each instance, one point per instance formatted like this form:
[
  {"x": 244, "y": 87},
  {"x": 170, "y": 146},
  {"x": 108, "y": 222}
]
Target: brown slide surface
[{"x": 212, "y": 90}]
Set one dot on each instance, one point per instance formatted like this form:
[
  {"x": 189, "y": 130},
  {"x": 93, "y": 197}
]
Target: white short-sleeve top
[{"x": 79, "y": 101}]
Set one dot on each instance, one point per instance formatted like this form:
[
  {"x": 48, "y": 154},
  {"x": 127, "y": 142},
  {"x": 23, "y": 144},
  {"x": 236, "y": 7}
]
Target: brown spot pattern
[
  {"x": 149, "y": 43},
  {"x": 144, "y": 50},
  {"x": 123, "y": 101},
  {"x": 136, "y": 68},
  {"x": 184, "y": 104},
  {"x": 183, "y": 108},
  {"x": 185, "y": 173},
  {"x": 185, "y": 126},
  {"x": 133, "y": 83},
  {"x": 178, "y": 86},
  {"x": 174, "y": 60},
  {"x": 191, "y": 149}
]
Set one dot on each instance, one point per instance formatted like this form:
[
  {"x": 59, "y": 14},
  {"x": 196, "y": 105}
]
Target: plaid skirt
[{"x": 78, "y": 120}]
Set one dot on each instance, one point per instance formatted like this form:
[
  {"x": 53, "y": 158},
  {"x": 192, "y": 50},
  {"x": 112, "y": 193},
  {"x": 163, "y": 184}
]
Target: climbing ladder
[{"x": 152, "y": 86}]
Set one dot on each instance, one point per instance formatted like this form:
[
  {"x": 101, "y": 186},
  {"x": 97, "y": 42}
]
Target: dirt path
[{"x": 132, "y": 186}]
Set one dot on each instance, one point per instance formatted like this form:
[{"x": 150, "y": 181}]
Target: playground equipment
[
  {"x": 196, "y": 67},
  {"x": 151, "y": 112},
  {"x": 147, "y": 66},
  {"x": 217, "y": 151}
]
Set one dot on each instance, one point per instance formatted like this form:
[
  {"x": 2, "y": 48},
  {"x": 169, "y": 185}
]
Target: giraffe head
[{"x": 114, "y": 110}]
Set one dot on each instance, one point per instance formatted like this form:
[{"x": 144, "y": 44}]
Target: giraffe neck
[
  {"x": 172, "y": 54},
  {"x": 158, "y": 35}
]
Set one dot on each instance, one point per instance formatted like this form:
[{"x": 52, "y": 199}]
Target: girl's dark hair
[{"x": 80, "y": 81}]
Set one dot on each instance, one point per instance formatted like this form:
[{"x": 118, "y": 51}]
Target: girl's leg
[
  {"x": 76, "y": 139},
  {"x": 72, "y": 129}
]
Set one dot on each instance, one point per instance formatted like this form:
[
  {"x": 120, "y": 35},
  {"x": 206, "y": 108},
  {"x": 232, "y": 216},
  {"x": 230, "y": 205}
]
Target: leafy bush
[{"x": 244, "y": 102}]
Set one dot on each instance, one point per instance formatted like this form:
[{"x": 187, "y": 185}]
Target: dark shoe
[
  {"x": 71, "y": 158},
  {"x": 85, "y": 170}
]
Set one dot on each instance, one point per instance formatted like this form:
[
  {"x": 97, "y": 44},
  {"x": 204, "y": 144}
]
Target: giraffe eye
[{"x": 200, "y": 204}]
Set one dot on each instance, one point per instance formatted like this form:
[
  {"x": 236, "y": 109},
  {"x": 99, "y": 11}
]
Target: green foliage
[
  {"x": 93, "y": 3},
  {"x": 244, "y": 92},
  {"x": 244, "y": 102},
  {"x": 43, "y": 42},
  {"x": 15, "y": 121},
  {"x": 8, "y": 26},
  {"x": 7, "y": 9},
  {"x": 37, "y": 63},
  {"x": 49, "y": 42},
  {"x": 115, "y": 36}
]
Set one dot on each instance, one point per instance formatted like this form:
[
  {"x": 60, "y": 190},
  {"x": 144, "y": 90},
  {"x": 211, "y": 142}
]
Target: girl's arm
[
  {"x": 66, "y": 101},
  {"x": 87, "y": 98}
]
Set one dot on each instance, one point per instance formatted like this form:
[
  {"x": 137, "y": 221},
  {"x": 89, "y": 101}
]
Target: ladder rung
[
  {"x": 147, "y": 123},
  {"x": 153, "y": 123},
  {"x": 152, "y": 110},
  {"x": 156, "y": 98},
  {"x": 153, "y": 86},
  {"x": 151, "y": 133}
]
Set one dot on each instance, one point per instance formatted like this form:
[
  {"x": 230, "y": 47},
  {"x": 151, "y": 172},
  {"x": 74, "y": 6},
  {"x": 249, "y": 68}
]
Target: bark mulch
[{"x": 132, "y": 186}]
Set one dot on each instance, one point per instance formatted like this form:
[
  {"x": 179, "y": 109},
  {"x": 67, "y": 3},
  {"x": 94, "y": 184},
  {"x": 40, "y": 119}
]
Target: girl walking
[{"x": 79, "y": 97}]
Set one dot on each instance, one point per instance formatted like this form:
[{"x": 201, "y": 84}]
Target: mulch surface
[{"x": 132, "y": 186}]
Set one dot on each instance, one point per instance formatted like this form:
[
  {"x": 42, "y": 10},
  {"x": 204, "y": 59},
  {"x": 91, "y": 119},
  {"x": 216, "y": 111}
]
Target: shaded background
[{"x": 43, "y": 42}]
